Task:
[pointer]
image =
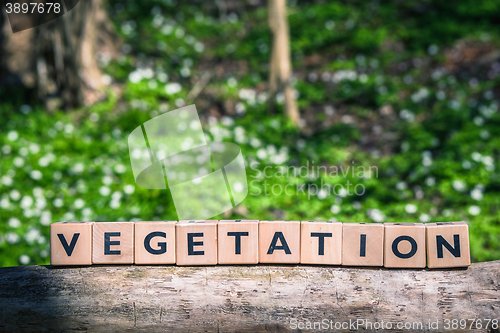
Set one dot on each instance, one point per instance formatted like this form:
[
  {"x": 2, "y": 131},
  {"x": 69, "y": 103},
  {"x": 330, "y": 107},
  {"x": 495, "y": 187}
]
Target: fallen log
[{"x": 261, "y": 298}]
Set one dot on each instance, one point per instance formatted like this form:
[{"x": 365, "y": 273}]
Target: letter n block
[
  {"x": 447, "y": 244},
  {"x": 238, "y": 242},
  {"x": 363, "y": 244},
  {"x": 321, "y": 243},
  {"x": 71, "y": 243},
  {"x": 113, "y": 243},
  {"x": 404, "y": 245},
  {"x": 154, "y": 243},
  {"x": 279, "y": 242},
  {"x": 196, "y": 242}
]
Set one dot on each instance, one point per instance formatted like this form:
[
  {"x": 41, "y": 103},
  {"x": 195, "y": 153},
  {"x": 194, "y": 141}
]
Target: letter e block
[
  {"x": 154, "y": 243},
  {"x": 238, "y": 242},
  {"x": 363, "y": 244},
  {"x": 447, "y": 244},
  {"x": 196, "y": 242},
  {"x": 321, "y": 243},
  {"x": 113, "y": 243},
  {"x": 71, "y": 243},
  {"x": 279, "y": 242},
  {"x": 404, "y": 245}
]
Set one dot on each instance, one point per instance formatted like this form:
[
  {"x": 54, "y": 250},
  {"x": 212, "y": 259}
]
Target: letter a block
[
  {"x": 113, "y": 243},
  {"x": 196, "y": 242},
  {"x": 154, "y": 242},
  {"x": 404, "y": 245},
  {"x": 71, "y": 243},
  {"x": 447, "y": 244},
  {"x": 363, "y": 244},
  {"x": 238, "y": 241},
  {"x": 279, "y": 242},
  {"x": 321, "y": 243}
]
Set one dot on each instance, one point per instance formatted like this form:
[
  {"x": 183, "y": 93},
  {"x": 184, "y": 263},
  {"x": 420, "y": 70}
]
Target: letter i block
[
  {"x": 447, "y": 244},
  {"x": 196, "y": 242},
  {"x": 363, "y": 244},
  {"x": 321, "y": 243},
  {"x": 279, "y": 242},
  {"x": 71, "y": 243},
  {"x": 113, "y": 243},
  {"x": 404, "y": 245},
  {"x": 154, "y": 242},
  {"x": 238, "y": 242}
]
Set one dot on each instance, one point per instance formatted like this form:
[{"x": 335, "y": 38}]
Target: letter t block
[
  {"x": 196, "y": 242},
  {"x": 321, "y": 243},
  {"x": 238, "y": 242},
  {"x": 71, "y": 243},
  {"x": 447, "y": 244}
]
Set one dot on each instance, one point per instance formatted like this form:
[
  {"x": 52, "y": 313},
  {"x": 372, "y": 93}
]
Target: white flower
[
  {"x": 14, "y": 222},
  {"x": 11, "y": 237},
  {"x": 411, "y": 209},
  {"x": 476, "y": 194},
  {"x": 120, "y": 168},
  {"x": 335, "y": 209},
  {"x": 79, "y": 203},
  {"x": 7, "y": 181},
  {"x": 261, "y": 153},
  {"x": 18, "y": 161},
  {"x": 104, "y": 191},
  {"x": 401, "y": 186},
  {"x": 424, "y": 218},
  {"x": 87, "y": 212},
  {"x": 26, "y": 202},
  {"x": 12, "y": 136},
  {"x": 430, "y": 181},
  {"x": 36, "y": 174},
  {"x": 46, "y": 218},
  {"x": 107, "y": 180},
  {"x": 58, "y": 202},
  {"x": 15, "y": 195},
  {"x": 376, "y": 215},
  {"x": 129, "y": 189},
  {"x": 32, "y": 235},
  {"x": 69, "y": 216},
  {"x": 24, "y": 259},
  {"x": 172, "y": 88},
  {"x": 474, "y": 210},
  {"x": 459, "y": 185},
  {"x": 78, "y": 168}
]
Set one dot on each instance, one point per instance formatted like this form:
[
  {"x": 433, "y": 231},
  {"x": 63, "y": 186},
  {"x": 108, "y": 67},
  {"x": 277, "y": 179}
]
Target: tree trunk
[
  {"x": 280, "y": 64},
  {"x": 262, "y": 298},
  {"x": 59, "y": 58}
]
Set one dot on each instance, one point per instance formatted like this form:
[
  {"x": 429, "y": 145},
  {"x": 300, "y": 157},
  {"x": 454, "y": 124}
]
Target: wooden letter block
[
  {"x": 113, "y": 243},
  {"x": 71, "y": 243},
  {"x": 363, "y": 244},
  {"x": 321, "y": 243},
  {"x": 238, "y": 241},
  {"x": 154, "y": 242},
  {"x": 447, "y": 244},
  {"x": 404, "y": 245},
  {"x": 196, "y": 242},
  {"x": 279, "y": 242}
]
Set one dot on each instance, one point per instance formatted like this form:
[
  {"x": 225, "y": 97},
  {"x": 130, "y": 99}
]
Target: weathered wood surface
[{"x": 262, "y": 298}]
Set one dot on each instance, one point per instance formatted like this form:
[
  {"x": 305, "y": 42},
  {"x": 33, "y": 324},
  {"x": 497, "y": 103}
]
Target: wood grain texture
[{"x": 261, "y": 298}]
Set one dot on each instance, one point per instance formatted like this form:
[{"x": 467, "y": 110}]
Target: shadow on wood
[{"x": 262, "y": 298}]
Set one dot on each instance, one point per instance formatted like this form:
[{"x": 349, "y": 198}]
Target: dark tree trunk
[{"x": 59, "y": 58}]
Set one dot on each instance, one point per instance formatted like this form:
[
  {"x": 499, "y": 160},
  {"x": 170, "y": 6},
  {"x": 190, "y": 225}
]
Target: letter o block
[
  {"x": 447, "y": 244},
  {"x": 154, "y": 243},
  {"x": 113, "y": 243},
  {"x": 196, "y": 242},
  {"x": 404, "y": 245},
  {"x": 279, "y": 242}
]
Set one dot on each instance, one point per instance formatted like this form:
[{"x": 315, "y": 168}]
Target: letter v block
[
  {"x": 113, "y": 243},
  {"x": 196, "y": 242},
  {"x": 71, "y": 243},
  {"x": 404, "y": 245},
  {"x": 447, "y": 244},
  {"x": 238, "y": 242},
  {"x": 154, "y": 243},
  {"x": 279, "y": 242},
  {"x": 321, "y": 243}
]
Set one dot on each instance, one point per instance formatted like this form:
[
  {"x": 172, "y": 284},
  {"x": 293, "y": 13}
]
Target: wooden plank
[{"x": 261, "y": 298}]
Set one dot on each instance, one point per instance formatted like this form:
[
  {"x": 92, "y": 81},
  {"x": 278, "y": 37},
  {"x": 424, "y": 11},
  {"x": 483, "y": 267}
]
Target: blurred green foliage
[{"x": 386, "y": 86}]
